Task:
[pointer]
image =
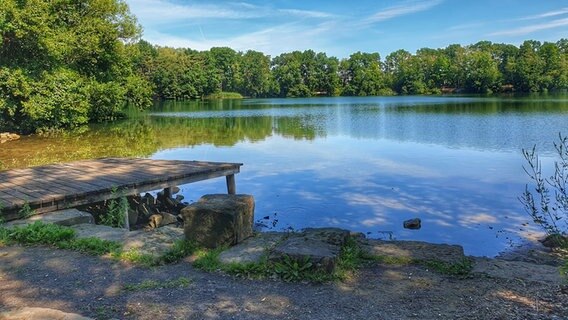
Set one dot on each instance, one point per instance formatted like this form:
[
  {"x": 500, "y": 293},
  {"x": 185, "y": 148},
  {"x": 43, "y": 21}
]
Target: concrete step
[{"x": 68, "y": 217}]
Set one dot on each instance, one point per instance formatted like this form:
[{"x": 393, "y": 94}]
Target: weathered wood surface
[{"x": 58, "y": 186}]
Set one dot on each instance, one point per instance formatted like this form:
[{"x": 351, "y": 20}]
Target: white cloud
[
  {"x": 532, "y": 28},
  {"x": 165, "y": 12},
  {"x": 151, "y": 11},
  {"x": 306, "y": 13},
  {"x": 273, "y": 41},
  {"x": 402, "y": 10},
  {"x": 547, "y": 14}
]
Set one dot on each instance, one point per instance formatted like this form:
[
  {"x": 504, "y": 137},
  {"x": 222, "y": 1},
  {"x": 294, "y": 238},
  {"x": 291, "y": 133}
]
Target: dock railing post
[{"x": 231, "y": 185}]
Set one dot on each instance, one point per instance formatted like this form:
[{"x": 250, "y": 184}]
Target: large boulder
[{"x": 219, "y": 219}]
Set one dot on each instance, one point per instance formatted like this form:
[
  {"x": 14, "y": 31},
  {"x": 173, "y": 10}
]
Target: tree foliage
[{"x": 64, "y": 63}]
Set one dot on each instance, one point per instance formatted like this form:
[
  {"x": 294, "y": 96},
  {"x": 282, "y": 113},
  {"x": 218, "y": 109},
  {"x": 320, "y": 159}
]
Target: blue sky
[{"x": 340, "y": 28}]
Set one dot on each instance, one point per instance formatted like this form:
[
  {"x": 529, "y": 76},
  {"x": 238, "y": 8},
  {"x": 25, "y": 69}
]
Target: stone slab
[
  {"x": 320, "y": 246},
  {"x": 155, "y": 242},
  {"x": 252, "y": 249},
  {"x": 102, "y": 232},
  {"x": 525, "y": 271},
  {"x": 413, "y": 249},
  {"x": 40, "y": 313},
  {"x": 68, "y": 217}
]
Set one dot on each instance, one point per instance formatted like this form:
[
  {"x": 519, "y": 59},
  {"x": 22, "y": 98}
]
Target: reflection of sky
[
  {"x": 462, "y": 196},
  {"x": 372, "y": 165}
]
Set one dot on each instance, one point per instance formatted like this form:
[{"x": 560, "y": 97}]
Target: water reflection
[{"x": 361, "y": 163}]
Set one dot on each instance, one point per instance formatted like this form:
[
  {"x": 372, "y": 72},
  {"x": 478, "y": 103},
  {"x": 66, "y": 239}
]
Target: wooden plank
[{"x": 58, "y": 186}]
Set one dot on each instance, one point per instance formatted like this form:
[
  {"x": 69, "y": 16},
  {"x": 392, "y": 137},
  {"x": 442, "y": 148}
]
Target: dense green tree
[
  {"x": 65, "y": 63},
  {"x": 362, "y": 75},
  {"x": 256, "y": 79},
  {"x": 226, "y": 61}
]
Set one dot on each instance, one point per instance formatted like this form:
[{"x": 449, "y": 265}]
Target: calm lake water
[{"x": 366, "y": 164}]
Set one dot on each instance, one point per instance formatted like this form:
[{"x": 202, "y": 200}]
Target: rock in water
[
  {"x": 219, "y": 219},
  {"x": 160, "y": 220},
  {"x": 414, "y": 224}
]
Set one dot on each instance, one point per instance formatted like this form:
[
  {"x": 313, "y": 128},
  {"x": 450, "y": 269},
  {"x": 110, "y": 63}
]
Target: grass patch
[
  {"x": 461, "y": 268},
  {"x": 208, "y": 260},
  {"x": 181, "y": 282},
  {"x": 92, "y": 246},
  {"x": 224, "y": 95},
  {"x": 40, "y": 233},
  {"x": 136, "y": 257},
  {"x": 180, "y": 250},
  {"x": 58, "y": 236}
]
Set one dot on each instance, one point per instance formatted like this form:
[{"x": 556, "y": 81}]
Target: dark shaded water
[{"x": 366, "y": 164}]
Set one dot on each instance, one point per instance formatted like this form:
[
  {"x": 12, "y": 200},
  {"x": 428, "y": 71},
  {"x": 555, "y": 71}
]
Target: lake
[{"x": 366, "y": 164}]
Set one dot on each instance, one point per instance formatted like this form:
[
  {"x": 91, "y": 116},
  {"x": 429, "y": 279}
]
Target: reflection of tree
[
  {"x": 295, "y": 127},
  {"x": 488, "y": 106},
  {"x": 144, "y": 135}
]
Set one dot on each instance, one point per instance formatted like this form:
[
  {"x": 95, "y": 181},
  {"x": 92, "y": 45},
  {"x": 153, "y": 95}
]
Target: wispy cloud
[
  {"x": 273, "y": 40},
  {"x": 532, "y": 28},
  {"x": 402, "y": 10},
  {"x": 306, "y": 13},
  {"x": 547, "y": 14},
  {"x": 164, "y": 11}
]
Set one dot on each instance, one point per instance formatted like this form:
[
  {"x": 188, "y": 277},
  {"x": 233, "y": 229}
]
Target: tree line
[
  {"x": 483, "y": 67},
  {"x": 65, "y": 63}
]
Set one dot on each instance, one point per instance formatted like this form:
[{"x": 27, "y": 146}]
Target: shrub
[
  {"x": 548, "y": 206},
  {"x": 57, "y": 101}
]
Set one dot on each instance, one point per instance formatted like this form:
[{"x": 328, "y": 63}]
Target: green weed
[
  {"x": 26, "y": 211},
  {"x": 4, "y": 236},
  {"x": 208, "y": 260},
  {"x": 116, "y": 210},
  {"x": 181, "y": 282},
  {"x": 291, "y": 269},
  {"x": 180, "y": 250},
  {"x": 253, "y": 270}
]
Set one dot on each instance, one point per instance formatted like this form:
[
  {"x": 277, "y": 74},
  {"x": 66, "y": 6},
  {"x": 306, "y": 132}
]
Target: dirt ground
[{"x": 94, "y": 287}]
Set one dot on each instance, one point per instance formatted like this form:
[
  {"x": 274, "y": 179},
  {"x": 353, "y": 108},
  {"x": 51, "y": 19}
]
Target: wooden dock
[{"x": 59, "y": 186}]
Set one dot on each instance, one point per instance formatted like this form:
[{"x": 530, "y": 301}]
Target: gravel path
[{"x": 94, "y": 287}]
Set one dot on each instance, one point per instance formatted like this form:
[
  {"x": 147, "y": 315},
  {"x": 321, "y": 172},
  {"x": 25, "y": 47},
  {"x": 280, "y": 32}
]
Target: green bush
[
  {"x": 106, "y": 100},
  {"x": 546, "y": 201}
]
